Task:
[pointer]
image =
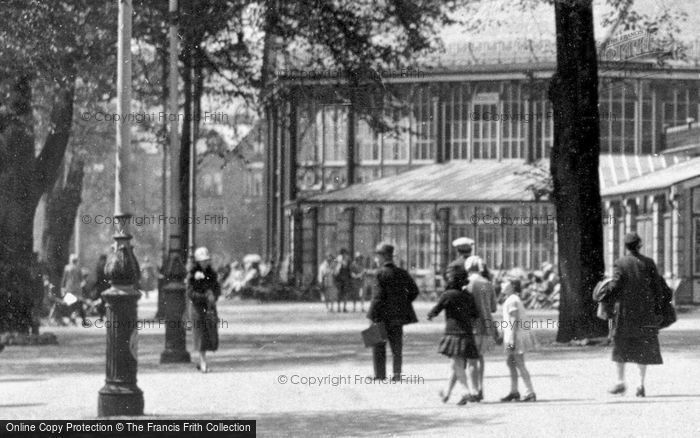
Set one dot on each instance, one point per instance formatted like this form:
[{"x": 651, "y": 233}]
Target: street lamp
[
  {"x": 120, "y": 395},
  {"x": 173, "y": 288}
]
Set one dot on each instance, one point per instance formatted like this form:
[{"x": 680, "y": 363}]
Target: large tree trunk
[
  {"x": 61, "y": 209},
  {"x": 574, "y": 167},
  {"x": 23, "y": 179}
]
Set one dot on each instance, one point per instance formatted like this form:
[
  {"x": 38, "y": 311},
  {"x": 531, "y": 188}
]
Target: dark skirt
[
  {"x": 458, "y": 346},
  {"x": 643, "y": 350},
  {"x": 205, "y": 330}
]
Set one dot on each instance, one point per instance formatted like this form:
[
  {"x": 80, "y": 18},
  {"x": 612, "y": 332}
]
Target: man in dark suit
[
  {"x": 395, "y": 291},
  {"x": 638, "y": 291}
]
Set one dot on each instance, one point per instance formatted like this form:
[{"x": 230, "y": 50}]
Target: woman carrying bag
[{"x": 203, "y": 290}]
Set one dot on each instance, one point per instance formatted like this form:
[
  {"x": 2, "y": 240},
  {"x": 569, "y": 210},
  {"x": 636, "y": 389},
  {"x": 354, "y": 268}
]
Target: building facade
[{"x": 472, "y": 139}]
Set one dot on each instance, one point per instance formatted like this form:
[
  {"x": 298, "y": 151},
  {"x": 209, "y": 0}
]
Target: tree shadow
[
  {"x": 22, "y": 405},
  {"x": 21, "y": 379}
]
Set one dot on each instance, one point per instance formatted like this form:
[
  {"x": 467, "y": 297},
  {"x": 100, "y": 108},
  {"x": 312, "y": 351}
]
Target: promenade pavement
[{"x": 300, "y": 371}]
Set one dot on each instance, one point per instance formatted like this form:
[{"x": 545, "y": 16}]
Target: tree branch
[{"x": 49, "y": 160}]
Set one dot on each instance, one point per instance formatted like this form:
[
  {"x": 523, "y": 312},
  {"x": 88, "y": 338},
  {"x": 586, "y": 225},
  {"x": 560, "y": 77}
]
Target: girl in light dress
[{"x": 517, "y": 340}]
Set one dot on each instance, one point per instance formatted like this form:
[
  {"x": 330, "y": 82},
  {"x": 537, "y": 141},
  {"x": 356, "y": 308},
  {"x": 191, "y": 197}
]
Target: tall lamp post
[
  {"x": 175, "y": 272},
  {"x": 120, "y": 395}
]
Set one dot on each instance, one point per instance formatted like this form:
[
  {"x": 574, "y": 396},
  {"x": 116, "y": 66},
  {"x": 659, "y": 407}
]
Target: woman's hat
[{"x": 201, "y": 254}]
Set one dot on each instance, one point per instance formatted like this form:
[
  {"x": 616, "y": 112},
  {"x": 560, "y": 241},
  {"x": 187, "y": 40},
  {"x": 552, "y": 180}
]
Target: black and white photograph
[{"x": 325, "y": 218}]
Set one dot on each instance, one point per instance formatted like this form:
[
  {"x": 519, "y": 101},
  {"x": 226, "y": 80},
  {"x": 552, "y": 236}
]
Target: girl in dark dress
[
  {"x": 203, "y": 290},
  {"x": 458, "y": 342}
]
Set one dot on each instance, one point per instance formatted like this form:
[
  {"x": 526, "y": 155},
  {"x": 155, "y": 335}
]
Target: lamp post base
[
  {"x": 119, "y": 400},
  {"x": 175, "y": 333},
  {"x": 175, "y": 356}
]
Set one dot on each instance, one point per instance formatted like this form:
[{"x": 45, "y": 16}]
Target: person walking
[
  {"x": 203, "y": 290},
  {"x": 485, "y": 298},
  {"x": 325, "y": 281},
  {"x": 149, "y": 277},
  {"x": 357, "y": 270},
  {"x": 464, "y": 246},
  {"x": 517, "y": 341},
  {"x": 342, "y": 278},
  {"x": 391, "y": 305},
  {"x": 458, "y": 342},
  {"x": 638, "y": 291},
  {"x": 72, "y": 288}
]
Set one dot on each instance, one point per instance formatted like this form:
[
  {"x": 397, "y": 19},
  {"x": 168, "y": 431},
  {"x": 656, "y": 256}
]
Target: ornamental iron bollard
[{"x": 120, "y": 395}]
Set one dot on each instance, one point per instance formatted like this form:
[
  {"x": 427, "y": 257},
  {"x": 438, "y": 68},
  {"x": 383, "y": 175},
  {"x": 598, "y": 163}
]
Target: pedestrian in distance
[
  {"x": 203, "y": 290},
  {"x": 484, "y": 296},
  {"x": 325, "y": 281},
  {"x": 458, "y": 341},
  {"x": 638, "y": 292},
  {"x": 342, "y": 278},
  {"x": 517, "y": 340},
  {"x": 357, "y": 270},
  {"x": 391, "y": 305}
]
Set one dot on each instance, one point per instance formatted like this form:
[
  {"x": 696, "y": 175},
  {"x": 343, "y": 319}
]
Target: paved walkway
[{"x": 264, "y": 345}]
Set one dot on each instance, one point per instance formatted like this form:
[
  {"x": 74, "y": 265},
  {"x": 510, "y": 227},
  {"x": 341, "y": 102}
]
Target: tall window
[
  {"x": 419, "y": 245},
  {"x": 396, "y": 142},
  {"x": 542, "y": 235},
  {"x": 327, "y": 231},
  {"x": 394, "y": 230},
  {"x": 367, "y": 228},
  {"x": 423, "y": 136},
  {"x": 307, "y": 133},
  {"x": 212, "y": 184},
  {"x": 543, "y": 126},
  {"x": 367, "y": 142},
  {"x": 647, "y": 140},
  {"x": 334, "y": 119},
  {"x": 517, "y": 238},
  {"x": 457, "y": 121},
  {"x": 620, "y": 117},
  {"x": 485, "y": 129},
  {"x": 513, "y": 125},
  {"x": 489, "y": 238}
]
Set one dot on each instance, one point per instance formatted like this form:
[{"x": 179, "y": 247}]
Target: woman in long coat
[
  {"x": 203, "y": 290},
  {"x": 637, "y": 290}
]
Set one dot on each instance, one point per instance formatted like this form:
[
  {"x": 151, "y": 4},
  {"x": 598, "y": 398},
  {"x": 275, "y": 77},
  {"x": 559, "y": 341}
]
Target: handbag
[
  {"x": 375, "y": 334},
  {"x": 668, "y": 314}
]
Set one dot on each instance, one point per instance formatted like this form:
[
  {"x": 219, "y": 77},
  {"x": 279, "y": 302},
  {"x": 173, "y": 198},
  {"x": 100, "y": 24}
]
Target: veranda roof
[
  {"x": 484, "y": 181},
  {"x": 658, "y": 180}
]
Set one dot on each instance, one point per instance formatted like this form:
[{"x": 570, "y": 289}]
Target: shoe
[
  {"x": 443, "y": 396},
  {"x": 396, "y": 378},
  {"x": 513, "y": 396},
  {"x": 620, "y": 388},
  {"x": 530, "y": 398},
  {"x": 463, "y": 401},
  {"x": 641, "y": 392},
  {"x": 480, "y": 395}
]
